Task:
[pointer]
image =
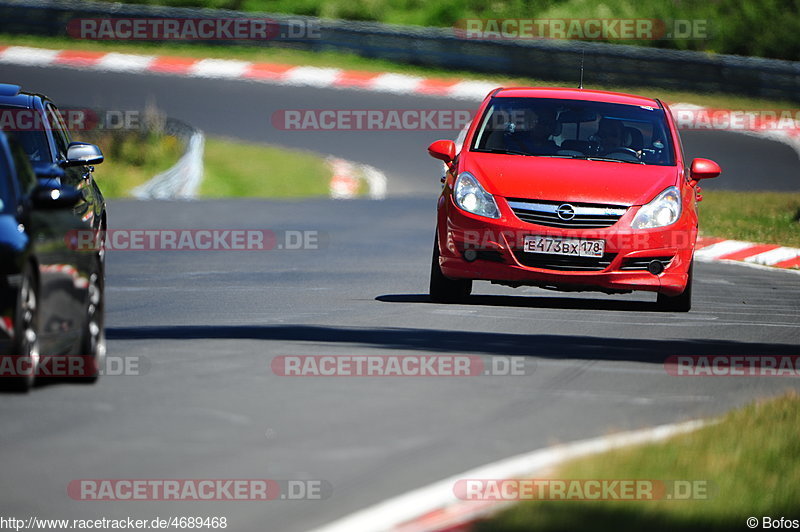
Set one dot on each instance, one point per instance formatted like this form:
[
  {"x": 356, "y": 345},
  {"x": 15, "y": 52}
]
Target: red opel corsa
[{"x": 568, "y": 189}]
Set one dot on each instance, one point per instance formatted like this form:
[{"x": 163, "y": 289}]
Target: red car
[{"x": 568, "y": 189}]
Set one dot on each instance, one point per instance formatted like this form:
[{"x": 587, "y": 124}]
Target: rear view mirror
[
  {"x": 444, "y": 150},
  {"x": 704, "y": 169},
  {"x": 82, "y": 153}
]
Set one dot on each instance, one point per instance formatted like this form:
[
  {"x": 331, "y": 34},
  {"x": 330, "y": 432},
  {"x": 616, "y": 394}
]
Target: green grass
[
  {"x": 232, "y": 169},
  {"x": 238, "y": 169},
  {"x": 766, "y": 28},
  {"x": 751, "y": 461},
  {"x": 355, "y": 62},
  {"x": 767, "y": 217}
]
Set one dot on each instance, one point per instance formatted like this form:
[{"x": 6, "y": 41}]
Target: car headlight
[
  {"x": 470, "y": 196},
  {"x": 664, "y": 210}
]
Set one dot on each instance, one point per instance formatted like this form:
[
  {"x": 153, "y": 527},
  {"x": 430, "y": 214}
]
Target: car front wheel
[
  {"x": 93, "y": 344},
  {"x": 443, "y": 289},
  {"x": 26, "y": 356},
  {"x": 680, "y": 303}
]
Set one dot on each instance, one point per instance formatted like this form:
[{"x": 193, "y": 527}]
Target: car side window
[
  {"x": 27, "y": 179},
  {"x": 60, "y": 133}
]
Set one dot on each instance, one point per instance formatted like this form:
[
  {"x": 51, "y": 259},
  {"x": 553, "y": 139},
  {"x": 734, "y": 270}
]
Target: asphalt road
[{"x": 205, "y": 326}]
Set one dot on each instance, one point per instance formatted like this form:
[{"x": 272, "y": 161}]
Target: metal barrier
[
  {"x": 551, "y": 60},
  {"x": 182, "y": 180}
]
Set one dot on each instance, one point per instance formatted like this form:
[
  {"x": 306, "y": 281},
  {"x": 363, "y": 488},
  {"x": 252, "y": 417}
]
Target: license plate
[{"x": 572, "y": 247}]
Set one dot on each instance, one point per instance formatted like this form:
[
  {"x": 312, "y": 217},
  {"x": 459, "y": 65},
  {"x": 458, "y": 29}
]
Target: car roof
[
  {"x": 14, "y": 95},
  {"x": 574, "y": 94}
]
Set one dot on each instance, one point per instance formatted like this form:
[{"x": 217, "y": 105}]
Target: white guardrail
[{"x": 182, "y": 180}]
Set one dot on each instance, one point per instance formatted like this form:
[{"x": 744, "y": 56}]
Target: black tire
[
  {"x": 26, "y": 356},
  {"x": 680, "y": 303},
  {"x": 93, "y": 337},
  {"x": 444, "y": 289}
]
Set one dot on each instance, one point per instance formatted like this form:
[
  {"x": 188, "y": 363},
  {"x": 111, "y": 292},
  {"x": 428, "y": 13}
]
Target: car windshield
[
  {"x": 576, "y": 129},
  {"x": 29, "y": 128}
]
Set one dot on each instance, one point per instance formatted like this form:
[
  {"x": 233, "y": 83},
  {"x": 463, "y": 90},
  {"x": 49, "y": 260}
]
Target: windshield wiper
[
  {"x": 605, "y": 159},
  {"x": 503, "y": 151}
]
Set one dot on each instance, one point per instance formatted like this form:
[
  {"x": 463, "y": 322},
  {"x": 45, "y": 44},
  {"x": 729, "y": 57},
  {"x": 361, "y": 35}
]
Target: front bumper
[{"x": 497, "y": 253}]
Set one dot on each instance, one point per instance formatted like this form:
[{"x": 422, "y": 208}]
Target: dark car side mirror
[
  {"x": 444, "y": 150},
  {"x": 82, "y": 154},
  {"x": 704, "y": 169}
]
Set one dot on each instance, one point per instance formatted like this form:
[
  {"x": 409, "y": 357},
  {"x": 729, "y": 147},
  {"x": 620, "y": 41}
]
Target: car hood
[{"x": 575, "y": 180}]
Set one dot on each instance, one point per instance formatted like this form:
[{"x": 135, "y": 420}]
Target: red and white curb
[
  {"x": 747, "y": 253},
  {"x": 436, "y": 507},
  {"x": 233, "y": 69}
]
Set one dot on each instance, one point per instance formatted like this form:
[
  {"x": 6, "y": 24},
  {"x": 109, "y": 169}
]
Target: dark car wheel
[
  {"x": 444, "y": 290},
  {"x": 93, "y": 339},
  {"x": 681, "y": 303},
  {"x": 26, "y": 355}
]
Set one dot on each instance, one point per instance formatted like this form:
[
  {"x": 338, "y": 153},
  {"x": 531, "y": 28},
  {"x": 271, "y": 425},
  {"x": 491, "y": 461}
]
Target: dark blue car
[{"x": 51, "y": 289}]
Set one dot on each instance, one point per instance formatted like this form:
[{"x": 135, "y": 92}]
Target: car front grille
[
  {"x": 586, "y": 215},
  {"x": 564, "y": 262}
]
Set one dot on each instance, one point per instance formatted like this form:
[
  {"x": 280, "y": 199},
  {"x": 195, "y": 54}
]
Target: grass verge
[
  {"x": 232, "y": 169},
  {"x": 764, "y": 217},
  {"x": 238, "y": 169},
  {"x": 355, "y": 62},
  {"x": 751, "y": 461}
]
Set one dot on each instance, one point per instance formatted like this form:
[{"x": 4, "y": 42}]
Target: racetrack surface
[{"x": 207, "y": 325}]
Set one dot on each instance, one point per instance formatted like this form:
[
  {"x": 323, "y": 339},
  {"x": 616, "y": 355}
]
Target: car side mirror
[
  {"x": 82, "y": 154},
  {"x": 49, "y": 194},
  {"x": 444, "y": 150},
  {"x": 704, "y": 169}
]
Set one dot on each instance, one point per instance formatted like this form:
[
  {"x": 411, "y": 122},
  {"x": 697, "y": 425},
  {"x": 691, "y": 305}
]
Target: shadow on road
[
  {"x": 461, "y": 342},
  {"x": 534, "y": 302}
]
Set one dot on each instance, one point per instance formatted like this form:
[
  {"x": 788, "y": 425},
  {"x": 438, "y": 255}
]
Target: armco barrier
[
  {"x": 182, "y": 180},
  {"x": 544, "y": 59}
]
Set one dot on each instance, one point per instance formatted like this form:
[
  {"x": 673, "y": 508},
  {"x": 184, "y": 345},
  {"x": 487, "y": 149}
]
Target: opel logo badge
[{"x": 566, "y": 212}]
